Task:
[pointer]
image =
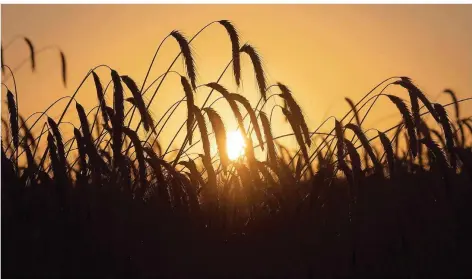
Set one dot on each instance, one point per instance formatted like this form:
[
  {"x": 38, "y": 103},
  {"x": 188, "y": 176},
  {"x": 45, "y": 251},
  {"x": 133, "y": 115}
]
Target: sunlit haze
[
  {"x": 235, "y": 145},
  {"x": 322, "y": 52}
]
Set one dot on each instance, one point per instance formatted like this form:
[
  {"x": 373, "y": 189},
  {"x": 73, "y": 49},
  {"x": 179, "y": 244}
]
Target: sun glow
[{"x": 235, "y": 145}]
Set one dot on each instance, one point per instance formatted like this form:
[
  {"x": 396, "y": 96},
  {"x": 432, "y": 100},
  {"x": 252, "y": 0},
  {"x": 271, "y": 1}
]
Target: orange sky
[{"x": 323, "y": 52}]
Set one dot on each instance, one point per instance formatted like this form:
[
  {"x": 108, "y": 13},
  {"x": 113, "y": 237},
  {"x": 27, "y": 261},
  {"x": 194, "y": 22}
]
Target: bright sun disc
[{"x": 235, "y": 145}]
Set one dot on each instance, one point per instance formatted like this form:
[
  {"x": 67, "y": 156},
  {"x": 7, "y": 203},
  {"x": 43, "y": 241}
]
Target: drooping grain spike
[
  {"x": 203, "y": 132},
  {"x": 271, "y": 154},
  {"x": 252, "y": 116},
  {"x": 190, "y": 104},
  {"x": 220, "y": 134},
  {"x": 298, "y": 134},
  {"x": 101, "y": 97},
  {"x": 365, "y": 143},
  {"x": 406, "y": 83},
  {"x": 387, "y": 145},
  {"x": 60, "y": 145},
  {"x": 410, "y": 126},
  {"x": 118, "y": 118},
  {"x": 188, "y": 58},
  {"x": 295, "y": 110},
  {"x": 354, "y": 110},
  {"x": 138, "y": 102},
  {"x": 139, "y": 155},
  {"x": 258, "y": 69},
  {"x": 63, "y": 69},
  {"x": 32, "y": 53},
  {"x": 12, "y": 110},
  {"x": 81, "y": 150},
  {"x": 444, "y": 121},
  {"x": 234, "y": 37},
  {"x": 339, "y": 131}
]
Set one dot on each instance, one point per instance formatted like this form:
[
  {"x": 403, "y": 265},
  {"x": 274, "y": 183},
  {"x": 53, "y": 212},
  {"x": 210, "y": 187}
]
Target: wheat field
[{"x": 103, "y": 198}]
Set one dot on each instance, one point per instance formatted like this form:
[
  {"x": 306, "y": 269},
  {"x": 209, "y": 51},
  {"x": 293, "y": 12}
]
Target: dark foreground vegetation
[{"x": 110, "y": 202}]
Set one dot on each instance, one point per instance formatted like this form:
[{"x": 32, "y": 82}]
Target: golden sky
[{"x": 322, "y": 52}]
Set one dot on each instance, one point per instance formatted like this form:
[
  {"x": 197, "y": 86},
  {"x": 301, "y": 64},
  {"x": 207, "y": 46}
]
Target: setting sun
[{"x": 235, "y": 145}]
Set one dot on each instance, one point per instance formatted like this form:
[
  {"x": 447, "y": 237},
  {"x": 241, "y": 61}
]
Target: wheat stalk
[
  {"x": 220, "y": 134},
  {"x": 410, "y": 126},
  {"x": 295, "y": 110},
  {"x": 444, "y": 121},
  {"x": 13, "y": 119},
  {"x": 258, "y": 69},
  {"x": 203, "y": 132},
  {"x": 32, "y": 53},
  {"x": 139, "y": 103},
  {"x": 101, "y": 97},
  {"x": 63, "y": 68},
  {"x": 60, "y": 145},
  {"x": 454, "y": 99},
  {"x": 139, "y": 155},
  {"x": 252, "y": 116},
  {"x": 365, "y": 142},
  {"x": 117, "y": 119},
  {"x": 188, "y": 58},
  {"x": 234, "y": 37},
  {"x": 269, "y": 139},
  {"x": 190, "y": 104},
  {"x": 387, "y": 145}
]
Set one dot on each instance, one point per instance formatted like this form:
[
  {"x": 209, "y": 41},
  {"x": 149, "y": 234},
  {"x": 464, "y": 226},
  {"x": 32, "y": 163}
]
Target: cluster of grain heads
[
  {"x": 415, "y": 94},
  {"x": 440, "y": 161},
  {"x": 249, "y": 150},
  {"x": 96, "y": 162},
  {"x": 157, "y": 165},
  {"x": 232, "y": 103},
  {"x": 33, "y": 56},
  {"x": 245, "y": 189},
  {"x": 59, "y": 170},
  {"x": 194, "y": 175}
]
